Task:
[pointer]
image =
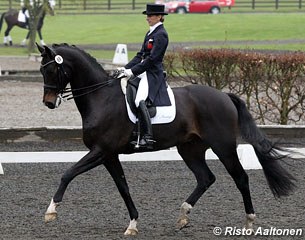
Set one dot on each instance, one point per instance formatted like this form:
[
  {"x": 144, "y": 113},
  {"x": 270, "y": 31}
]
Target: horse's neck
[
  {"x": 95, "y": 100},
  {"x": 82, "y": 79}
]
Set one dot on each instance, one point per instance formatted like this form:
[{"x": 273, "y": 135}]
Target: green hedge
[{"x": 272, "y": 84}]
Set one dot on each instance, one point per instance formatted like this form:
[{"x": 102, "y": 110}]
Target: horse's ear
[
  {"x": 49, "y": 51},
  {"x": 41, "y": 49}
]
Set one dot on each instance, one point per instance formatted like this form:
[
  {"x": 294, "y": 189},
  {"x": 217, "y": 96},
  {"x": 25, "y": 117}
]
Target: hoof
[
  {"x": 250, "y": 218},
  {"x": 131, "y": 232},
  {"x": 182, "y": 222},
  {"x": 49, "y": 217}
]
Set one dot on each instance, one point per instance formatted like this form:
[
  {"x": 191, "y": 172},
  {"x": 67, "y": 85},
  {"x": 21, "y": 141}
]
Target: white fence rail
[{"x": 245, "y": 152}]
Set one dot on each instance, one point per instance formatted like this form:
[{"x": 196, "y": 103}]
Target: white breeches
[{"x": 142, "y": 92}]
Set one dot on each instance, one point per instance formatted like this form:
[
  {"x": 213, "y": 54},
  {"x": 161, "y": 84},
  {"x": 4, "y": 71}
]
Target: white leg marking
[
  {"x": 23, "y": 42},
  {"x": 42, "y": 42},
  {"x": 132, "y": 228},
  {"x": 249, "y": 221},
  {"x": 5, "y": 40},
  {"x": 186, "y": 208},
  {"x": 183, "y": 219},
  {"x": 51, "y": 212}
]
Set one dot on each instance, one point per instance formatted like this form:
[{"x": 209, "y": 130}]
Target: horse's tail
[
  {"x": 280, "y": 181},
  {"x": 1, "y": 20}
]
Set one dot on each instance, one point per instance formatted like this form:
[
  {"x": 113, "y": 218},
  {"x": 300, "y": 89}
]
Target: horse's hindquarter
[
  {"x": 12, "y": 12},
  {"x": 204, "y": 111},
  {"x": 11, "y": 17}
]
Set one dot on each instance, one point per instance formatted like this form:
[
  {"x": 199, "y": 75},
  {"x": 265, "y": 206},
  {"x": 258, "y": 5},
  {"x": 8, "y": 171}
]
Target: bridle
[
  {"x": 61, "y": 73},
  {"x": 65, "y": 93}
]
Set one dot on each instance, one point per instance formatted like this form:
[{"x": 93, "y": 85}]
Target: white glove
[
  {"x": 128, "y": 73},
  {"x": 125, "y": 73},
  {"x": 120, "y": 69},
  {"x": 118, "y": 72}
]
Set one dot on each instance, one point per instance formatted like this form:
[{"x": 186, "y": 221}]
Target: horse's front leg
[
  {"x": 89, "y": 161},
  {"x": 115, "y": 169},
  {"x": 23, "y": 42}
]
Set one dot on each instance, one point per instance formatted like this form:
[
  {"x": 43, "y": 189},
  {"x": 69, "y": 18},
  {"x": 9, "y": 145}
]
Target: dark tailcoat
[{"x": 149, "y": 59}]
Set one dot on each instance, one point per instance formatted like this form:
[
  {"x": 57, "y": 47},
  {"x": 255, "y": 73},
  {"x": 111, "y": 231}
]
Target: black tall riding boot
[{"x": 146, "y": 142}]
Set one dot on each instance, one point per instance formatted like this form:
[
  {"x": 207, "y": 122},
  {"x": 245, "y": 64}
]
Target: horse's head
[
  {"x": 54, "y": 76},
  {"x": 62, "y": 64}
]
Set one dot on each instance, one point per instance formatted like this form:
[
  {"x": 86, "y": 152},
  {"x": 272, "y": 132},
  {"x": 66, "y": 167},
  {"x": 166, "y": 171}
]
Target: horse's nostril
[{"x": 50, "y": 105}]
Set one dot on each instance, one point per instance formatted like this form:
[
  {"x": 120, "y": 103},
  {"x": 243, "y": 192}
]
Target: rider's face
[{"x": 153, "y": 19}]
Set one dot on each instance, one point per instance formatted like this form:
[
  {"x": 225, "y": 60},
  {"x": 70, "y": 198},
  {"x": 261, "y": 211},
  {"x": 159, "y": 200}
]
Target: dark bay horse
[
  {"x": 205, "y": 118},
  {"x": 11, "y": 19}
]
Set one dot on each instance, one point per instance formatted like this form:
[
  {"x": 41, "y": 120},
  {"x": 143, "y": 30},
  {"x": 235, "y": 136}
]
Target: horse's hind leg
[
  {"x": 89, "y": 161},
  {"x": 228, "y": 156},
  {"x": 115, "y": 169},
  {"x": 7, "y": 37},
  {"x": 193, "y": 154}
]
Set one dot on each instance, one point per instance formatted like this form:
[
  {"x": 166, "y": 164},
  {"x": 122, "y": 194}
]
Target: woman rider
[{"x": 148, "y": 66}]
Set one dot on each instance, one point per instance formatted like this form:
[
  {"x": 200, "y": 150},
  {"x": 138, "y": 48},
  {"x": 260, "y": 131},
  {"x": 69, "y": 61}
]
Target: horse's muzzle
[{"x": 50, "y": 100}]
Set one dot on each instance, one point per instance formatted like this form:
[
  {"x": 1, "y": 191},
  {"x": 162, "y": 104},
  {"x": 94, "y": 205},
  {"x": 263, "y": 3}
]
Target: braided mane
[{"x": 87, "y": 55}]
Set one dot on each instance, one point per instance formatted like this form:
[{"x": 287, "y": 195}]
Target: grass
[
  {"x": 130, "y": 28},
  {"x": 83, "y": 29}
]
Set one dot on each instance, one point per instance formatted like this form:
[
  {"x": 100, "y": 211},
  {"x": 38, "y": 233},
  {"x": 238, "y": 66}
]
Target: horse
[
  {"x": 11, "y": 19},
  {"x": 205, "y": 118}
]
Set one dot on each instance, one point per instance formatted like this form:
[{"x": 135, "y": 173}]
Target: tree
[{"x": 36, "y": 10}]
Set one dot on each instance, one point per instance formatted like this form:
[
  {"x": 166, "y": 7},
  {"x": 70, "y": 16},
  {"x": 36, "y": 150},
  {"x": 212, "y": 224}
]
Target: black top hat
[{"x": 155, "y": 9}]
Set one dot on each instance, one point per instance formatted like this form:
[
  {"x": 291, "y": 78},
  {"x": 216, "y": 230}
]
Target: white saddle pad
[
  {"x": 165, "y": 114},
  {"x": 21, "y": 16}
]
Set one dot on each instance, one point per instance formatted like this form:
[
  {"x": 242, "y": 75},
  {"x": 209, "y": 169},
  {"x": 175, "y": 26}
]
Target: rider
[
  {"x": 25, "y": 11},
  {"x": 148, "y": 66}
]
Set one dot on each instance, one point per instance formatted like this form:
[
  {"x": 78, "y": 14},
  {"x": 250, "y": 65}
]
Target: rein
[{"x": 70, "y": 91}]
